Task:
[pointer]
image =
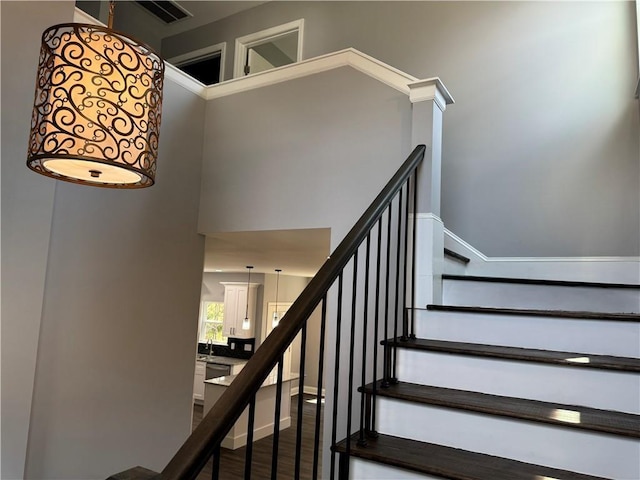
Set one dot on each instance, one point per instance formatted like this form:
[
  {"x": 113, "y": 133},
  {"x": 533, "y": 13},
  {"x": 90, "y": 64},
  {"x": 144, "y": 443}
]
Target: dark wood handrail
[{"x": 199, "y": 447}]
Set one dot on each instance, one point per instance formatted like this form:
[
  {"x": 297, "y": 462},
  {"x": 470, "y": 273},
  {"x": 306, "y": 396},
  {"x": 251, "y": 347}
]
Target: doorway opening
[
  {"x": 268, "y": 49},
  {"x": 205, "y": 65}
]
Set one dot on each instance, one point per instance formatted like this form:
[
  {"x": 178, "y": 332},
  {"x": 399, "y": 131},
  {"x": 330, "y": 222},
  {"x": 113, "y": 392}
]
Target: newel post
[{"x": 429, "y": 99}]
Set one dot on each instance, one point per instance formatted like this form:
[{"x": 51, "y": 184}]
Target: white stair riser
[
  {"x": 570, "y": 449},
  {"x": 544, "y": 297},
  {"x": 546, "y": 333},
  {"x": 362, "y": 469},
  {"x": 569, "y": 385}
]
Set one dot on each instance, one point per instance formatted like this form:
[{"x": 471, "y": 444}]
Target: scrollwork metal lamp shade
[{"x": 97, "y": 109}]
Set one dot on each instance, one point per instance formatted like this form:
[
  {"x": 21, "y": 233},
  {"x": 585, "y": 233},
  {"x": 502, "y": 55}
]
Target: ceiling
[
  {"x": 296, "y": 252},
  {"x": 204, "y": 12}
]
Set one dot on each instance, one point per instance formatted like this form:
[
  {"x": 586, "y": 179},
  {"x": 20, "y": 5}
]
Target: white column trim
[{"x": 430, "y": 89}]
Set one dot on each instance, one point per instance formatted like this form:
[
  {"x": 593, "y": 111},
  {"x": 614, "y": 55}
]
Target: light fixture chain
[{"x": 112, "y": 7}]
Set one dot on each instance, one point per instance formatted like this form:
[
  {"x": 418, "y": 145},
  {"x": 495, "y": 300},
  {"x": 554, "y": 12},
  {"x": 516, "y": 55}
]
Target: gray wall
[
  {"x": 114, "y": 299},
  {"x": 311, "y": 153},
  {"x": 545, "y": 128},
  {"x": 129, "y": 17},
  {"x": 27, "y": 207}
]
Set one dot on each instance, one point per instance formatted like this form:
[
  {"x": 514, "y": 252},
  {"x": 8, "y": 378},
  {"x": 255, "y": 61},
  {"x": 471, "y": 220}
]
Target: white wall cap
[
  {"x": 80, "y": 16},
  {"x": 349, "y": 57},
  {"x": 417, "y": 90},
  {"x": 430, "y": 89}
]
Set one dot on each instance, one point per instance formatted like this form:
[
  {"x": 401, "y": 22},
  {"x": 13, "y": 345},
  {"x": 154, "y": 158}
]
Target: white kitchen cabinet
[
  {"x": 235, "y": 308},
  {"x": 198, "y": 382}
]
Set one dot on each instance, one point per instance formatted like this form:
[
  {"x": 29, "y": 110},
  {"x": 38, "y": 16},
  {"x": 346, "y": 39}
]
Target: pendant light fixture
[
  {"x": 246, "y": 323},
  {"x": 97, "y": 107},
  {"x": 276, "y": 317}
]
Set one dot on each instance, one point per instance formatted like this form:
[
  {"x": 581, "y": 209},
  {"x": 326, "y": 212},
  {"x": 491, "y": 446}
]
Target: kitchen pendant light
[
  {"x": 276, "y": 318},
  {"x": 97, "y": 107},
  {"x": 246, "y": 323}
]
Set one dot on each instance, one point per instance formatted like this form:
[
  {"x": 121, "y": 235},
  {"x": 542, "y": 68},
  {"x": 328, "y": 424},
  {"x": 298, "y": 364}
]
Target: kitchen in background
[{"x": 219, "y": 351}]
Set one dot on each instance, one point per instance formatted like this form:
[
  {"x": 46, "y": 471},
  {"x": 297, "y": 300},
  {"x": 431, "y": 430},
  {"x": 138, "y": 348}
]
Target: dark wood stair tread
[
  {"x": 456, "y": 256},
  {"x": 451, "y": 463},
  {"x": 572, "y": 416},
  {"x": 567, "y": 359},
  {"x": 532, "y": 281},
  {"x": 619, "y": 317}
]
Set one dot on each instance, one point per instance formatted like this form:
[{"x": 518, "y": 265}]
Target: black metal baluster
[
  {"x": 413, "y": 255},
  {"x": 316, "y": 437},
  {"x": 372, "y": 429},
  {"x": 303, "y": 352},
  {"x": 394, "y": 378},
  {"x": 405, "y": 322},
  {"x": 249, "y": 448},
  {"x": 276, "y": 423},
  {"x": 336, "y": 376},
  {"x": 215, "y": 466},
  {"x": 387, "y": 351},
  {"x": 362, "y": 441},
  {"x": 352, "y": 343}
]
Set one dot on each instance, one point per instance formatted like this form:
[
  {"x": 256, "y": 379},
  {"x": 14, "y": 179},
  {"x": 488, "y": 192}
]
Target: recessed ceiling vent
[{"x": 168, "y": 11}]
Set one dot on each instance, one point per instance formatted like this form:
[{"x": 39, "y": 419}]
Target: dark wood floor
[{"x": 232, "y": 461}]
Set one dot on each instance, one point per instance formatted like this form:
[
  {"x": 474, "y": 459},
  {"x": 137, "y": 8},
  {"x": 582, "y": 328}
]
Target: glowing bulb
[
  {"x": 246, "y": 323},
  {"x": 276, "y": 320}
]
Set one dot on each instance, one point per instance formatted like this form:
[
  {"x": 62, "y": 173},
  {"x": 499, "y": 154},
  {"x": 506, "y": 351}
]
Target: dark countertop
[
  {"x": 221, "y": 360},
  {"x": 271, "y": 380}
]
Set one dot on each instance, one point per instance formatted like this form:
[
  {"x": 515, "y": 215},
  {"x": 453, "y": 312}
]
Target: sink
[{"x": 206, "y": 358}]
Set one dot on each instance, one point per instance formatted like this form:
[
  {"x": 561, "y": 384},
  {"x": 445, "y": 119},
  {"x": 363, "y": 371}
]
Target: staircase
[{"x": 509, "y": 379}]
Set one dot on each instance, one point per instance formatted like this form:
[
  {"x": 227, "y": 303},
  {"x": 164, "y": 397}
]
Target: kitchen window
[{"x": 211, "y": 323}]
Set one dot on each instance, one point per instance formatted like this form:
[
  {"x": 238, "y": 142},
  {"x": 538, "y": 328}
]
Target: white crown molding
[
  {"x": 349, "y": 57},
  {"x": 430, "y": 89}
]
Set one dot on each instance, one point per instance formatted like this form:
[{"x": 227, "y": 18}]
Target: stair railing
[{"x": 387, "y": 221}]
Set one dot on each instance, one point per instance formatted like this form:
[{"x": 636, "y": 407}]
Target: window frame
[
  {"x": 203, "y": 322},
  {"x": 253, "y": 39}
]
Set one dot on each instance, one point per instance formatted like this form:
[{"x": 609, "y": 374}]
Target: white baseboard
[
  {"x": 307, "y": 389},
  {"x": 238, "y": 441},
  {"x": 579, "y": 269}
]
